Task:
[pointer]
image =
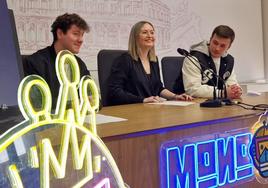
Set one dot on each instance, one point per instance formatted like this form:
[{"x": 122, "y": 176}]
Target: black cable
[
  {"x": 262, "y": 105},
  {"x": 246, "y": 106},
  {"x": 236, "y": 104}
]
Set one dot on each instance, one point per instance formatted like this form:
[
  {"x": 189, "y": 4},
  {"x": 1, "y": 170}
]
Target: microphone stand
[
  {"x": 216, "y": 101},
  {"x": 212, "y": 103}
]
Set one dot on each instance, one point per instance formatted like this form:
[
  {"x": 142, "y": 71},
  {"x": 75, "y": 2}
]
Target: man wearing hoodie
[{"x": 213, "y": 57}]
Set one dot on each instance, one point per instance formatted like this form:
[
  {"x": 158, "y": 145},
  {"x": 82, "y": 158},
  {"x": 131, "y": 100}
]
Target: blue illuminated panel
[{"x": 206, "y": 163}]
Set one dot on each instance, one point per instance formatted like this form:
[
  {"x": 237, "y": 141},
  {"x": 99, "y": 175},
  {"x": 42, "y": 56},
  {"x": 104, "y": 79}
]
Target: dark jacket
[
  {"x": 42, "y": 63},
  {"x": 129, "y": 83}
]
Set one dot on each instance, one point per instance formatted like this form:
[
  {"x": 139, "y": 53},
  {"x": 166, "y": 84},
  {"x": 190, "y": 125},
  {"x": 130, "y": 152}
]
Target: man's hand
[{"x": 234, "y": 91}]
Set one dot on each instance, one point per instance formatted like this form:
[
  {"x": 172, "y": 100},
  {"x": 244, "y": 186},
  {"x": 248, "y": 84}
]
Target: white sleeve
[
  {"x": 192, "y": 80},
  {"x": 232, "y": 79}
]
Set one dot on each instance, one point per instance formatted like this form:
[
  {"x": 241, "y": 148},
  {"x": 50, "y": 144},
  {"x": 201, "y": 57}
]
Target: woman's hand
[
  {"x": 183, "y": 97},
  {"x": 152, "y": 99}
]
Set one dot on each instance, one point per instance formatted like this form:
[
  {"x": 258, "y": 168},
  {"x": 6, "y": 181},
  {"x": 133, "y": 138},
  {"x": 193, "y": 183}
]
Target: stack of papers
[
  {"x": 174, "y": 103},
  {"x": 102, "y": 119}
]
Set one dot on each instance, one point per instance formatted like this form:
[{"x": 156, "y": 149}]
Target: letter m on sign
[{"x": 180, "y": 167}]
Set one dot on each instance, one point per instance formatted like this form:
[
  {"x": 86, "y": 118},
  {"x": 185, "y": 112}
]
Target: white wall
[
  {"x": 265, "y": 35},
  {"x": 178, "y": 23}
]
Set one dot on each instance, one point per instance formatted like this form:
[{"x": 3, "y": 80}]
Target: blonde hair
[{"x": 132, "y": 42}]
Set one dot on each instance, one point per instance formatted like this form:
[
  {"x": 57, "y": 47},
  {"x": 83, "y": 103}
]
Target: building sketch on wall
[
  {"x": 185, "y": 26},
  {"x": 110, "y": 23}
]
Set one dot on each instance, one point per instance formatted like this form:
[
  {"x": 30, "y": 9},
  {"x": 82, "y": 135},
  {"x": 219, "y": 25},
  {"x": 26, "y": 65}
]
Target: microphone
[
  {"x": 216, "y": 102},
  {"x": 183, "y": 52}
]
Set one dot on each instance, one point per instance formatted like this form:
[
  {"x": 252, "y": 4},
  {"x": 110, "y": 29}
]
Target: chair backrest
[
  {"x": 105, "y": 60},
  {"x": 171, "y": 71}
]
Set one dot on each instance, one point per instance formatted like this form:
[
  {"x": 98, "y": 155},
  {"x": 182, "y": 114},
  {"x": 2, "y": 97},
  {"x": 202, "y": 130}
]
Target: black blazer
[{"x": 129, "y": 83}]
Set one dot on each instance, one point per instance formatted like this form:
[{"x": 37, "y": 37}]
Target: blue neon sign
[{"x": 209, "y": 163}]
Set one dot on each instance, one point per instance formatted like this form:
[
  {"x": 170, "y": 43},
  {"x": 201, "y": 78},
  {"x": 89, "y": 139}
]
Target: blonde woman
[{"x": 135, "y": 75}]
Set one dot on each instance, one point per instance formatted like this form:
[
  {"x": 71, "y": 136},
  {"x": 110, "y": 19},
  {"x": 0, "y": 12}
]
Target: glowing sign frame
[
  {"x": 71, "y": 120},
  {"x": 260, "y": 132}
]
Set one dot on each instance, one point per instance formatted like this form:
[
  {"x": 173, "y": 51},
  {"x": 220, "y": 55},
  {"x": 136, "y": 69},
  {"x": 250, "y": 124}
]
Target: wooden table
[{"x": 135, "y": 144}]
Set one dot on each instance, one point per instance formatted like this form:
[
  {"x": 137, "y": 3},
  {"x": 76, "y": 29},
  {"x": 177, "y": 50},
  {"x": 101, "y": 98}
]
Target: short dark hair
[
  {"x": 224, "y": 31},
  {"x": 65, "y": 21}
]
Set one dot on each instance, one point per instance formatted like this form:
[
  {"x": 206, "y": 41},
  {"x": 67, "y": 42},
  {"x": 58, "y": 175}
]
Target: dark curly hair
[{"x": 65, "y": 21}]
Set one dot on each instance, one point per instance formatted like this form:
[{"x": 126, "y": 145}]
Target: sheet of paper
[
  {"x": 102, "y": 119},
  {"x": 174, "y": 103}
]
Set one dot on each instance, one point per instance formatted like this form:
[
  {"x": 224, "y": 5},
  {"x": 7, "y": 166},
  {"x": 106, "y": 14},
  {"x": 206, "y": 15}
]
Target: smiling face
[
  {"x": 71, "y": 40},
  {"x": 218, "y": 45},
  {"x": 146, "y": 37}
]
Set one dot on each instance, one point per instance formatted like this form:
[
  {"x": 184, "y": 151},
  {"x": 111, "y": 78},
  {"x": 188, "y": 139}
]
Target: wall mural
[{"x": 110, "y": 22}]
